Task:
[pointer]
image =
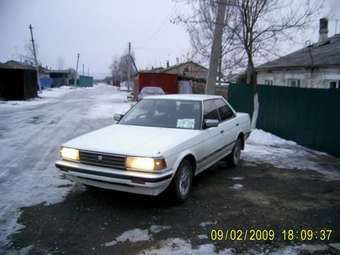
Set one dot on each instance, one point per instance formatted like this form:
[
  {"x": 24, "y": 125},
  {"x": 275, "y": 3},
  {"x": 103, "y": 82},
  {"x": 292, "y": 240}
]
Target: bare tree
[
  {"x": 200, "y": 27},
  {"x": 264, "y": 23},
  {"x": 114, "y": 67},
  {"x": 119, "y": 67},
  {"x": 29, "y": 52},
  {"x": 252, "y": 30},
  {"x": 60, "y": 63}
]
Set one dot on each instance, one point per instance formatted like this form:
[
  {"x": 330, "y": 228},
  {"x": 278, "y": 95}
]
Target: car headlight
[
  {"x": 144, "y": 164},
  {"x": 69, "y": 153}
]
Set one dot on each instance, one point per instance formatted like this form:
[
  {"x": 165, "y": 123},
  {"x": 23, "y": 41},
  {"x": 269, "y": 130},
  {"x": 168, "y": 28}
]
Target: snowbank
[
  {"x": 259, "y": 136},
  {"x": 263, "y": 147}
]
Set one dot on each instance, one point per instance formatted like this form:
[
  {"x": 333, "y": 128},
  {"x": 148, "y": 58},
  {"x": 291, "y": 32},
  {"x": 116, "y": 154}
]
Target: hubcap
[{"x": 184, "y": 182}]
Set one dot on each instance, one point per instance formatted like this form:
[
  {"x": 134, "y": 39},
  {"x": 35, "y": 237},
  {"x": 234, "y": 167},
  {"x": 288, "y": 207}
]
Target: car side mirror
[
  {"x": 117, "y": 117},
  {"x": 208, "y": 123}
]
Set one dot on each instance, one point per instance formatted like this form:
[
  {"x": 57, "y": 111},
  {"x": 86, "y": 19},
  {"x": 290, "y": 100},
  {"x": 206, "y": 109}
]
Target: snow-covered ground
[
  {"x": 32, "y": 131},
  {"x": 178, "y": 246},
  {"x": 46, "y": 96},
  {"x": 30, "y": 135},
  {"x": 138, "y": 235}
]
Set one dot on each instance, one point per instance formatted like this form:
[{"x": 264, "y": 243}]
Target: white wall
[{"x": 319, "y": 78}]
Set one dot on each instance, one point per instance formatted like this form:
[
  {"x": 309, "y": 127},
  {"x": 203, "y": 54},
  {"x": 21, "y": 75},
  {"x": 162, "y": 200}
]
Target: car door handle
[{"x": 222, "y": 131}]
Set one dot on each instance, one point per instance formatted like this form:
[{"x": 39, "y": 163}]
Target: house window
[
  {"x": 268, "y": 82},
  {"x": 294, "y": 83},
  {"x": 334, "y": 84}
]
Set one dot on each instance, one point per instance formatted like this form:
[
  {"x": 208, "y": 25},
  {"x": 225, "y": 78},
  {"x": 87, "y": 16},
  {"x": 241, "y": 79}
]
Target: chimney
[
  {"x": 167, "y": 64},
  {"x": 323, "y": 32}
]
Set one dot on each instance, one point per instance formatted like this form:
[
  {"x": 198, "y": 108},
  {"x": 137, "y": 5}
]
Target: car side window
[
  {"x": 210, "y": 110},
  {"x": 224, "y": 110}
]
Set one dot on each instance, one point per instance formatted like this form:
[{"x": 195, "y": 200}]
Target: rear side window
[
  {"x": 224, "y": 110},
  {"x": 210, "y": 110}
]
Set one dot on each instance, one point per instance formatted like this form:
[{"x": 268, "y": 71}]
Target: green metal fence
[{"x": 310, "y": 117}]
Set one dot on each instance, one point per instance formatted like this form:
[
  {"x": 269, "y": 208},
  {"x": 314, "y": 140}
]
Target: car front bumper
[{"x": 122, "y": 180}]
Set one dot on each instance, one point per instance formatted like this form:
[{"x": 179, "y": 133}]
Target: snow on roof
[{"x": 197, "y": 97}]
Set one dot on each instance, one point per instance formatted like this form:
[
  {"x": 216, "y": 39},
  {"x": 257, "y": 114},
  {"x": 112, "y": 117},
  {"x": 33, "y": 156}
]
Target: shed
[
  {"x": 61, "y": 77},
  {"x": 18, "y": 83},
  {"x": 168, "y": 82},
  {"x": 85, "y": 81}
]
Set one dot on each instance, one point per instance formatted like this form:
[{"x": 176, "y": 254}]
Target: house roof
[
  {"x": 181, "y": 64},
  {"x": 17, "y": 65},
  {"x": 325, "y": 54}
]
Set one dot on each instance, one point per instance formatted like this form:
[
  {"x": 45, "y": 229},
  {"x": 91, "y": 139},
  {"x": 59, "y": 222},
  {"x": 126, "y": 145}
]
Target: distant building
[
  {"x": 62, "y": 77},
  {"x": 188, "y": 70},
  {"x": 315, "y": 66}
]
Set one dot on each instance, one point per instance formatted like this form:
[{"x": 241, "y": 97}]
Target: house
[
  {"x": 62, "y": 77},
  {"x": 188, "y": 71},
  {"x": 18, "y": 82},
  {"x": 315, "y": 66},
  {"x": 191, "y": 72}
]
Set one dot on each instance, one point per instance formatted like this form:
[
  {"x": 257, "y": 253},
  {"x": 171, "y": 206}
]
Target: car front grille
[{"x": 102, "y": 159}]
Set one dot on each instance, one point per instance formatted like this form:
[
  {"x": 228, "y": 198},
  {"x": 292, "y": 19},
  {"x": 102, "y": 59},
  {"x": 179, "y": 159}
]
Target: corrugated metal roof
[
  {"x": 181, "y": 64},
  {"x": 325, "y": 54},
  {"x": 17, "y": 65}
]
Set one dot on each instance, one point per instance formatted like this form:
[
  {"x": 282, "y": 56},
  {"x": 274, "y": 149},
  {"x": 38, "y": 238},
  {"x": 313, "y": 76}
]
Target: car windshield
[
  {"x": 152, "y": 90},
  {"x": 165, "y": 113}
]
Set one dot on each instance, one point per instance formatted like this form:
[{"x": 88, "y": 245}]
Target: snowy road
[
  {"x": 279, "y": 185},
  {"x": 30, "y": 136}
]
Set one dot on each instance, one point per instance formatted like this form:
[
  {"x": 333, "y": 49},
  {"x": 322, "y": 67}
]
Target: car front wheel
[{"x": 182, "y": 182}]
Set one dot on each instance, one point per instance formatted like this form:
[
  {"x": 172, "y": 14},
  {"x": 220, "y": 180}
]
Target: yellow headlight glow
[
  {"x": 144, "y": 164},
  {"x": 69, "y": 153}
]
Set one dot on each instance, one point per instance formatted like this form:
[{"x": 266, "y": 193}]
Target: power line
[{"x": 162, "y": 25}]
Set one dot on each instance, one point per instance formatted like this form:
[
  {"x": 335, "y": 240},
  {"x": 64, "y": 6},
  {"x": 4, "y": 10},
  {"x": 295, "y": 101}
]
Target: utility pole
[
  {"x": 220, "y": 70},
  {"x": 216, "y": 48},
  {"x": 83, "y": 69},
  {"x": 35, "y": 58},
  {"x": 336, "y": 26},
  {"x": 76, "y": 76},
  {"x": 128, "y": 67}
]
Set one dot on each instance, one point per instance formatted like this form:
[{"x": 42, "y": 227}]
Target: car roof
[
  {"x": 196, "y": 97},
  {"x": 152, "y": 87}
]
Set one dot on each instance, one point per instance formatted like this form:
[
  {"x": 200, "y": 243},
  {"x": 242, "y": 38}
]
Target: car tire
[
  {"x": 233, "y": 159},
  {"x": 182, "y": 182}
]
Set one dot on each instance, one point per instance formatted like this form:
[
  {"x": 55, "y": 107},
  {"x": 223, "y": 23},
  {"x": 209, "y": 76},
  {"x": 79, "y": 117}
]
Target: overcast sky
[{"x": 99, "y": 30}]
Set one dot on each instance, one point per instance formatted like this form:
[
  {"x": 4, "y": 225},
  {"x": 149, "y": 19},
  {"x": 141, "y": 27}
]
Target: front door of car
[
  {"x": 212, "y": 138},
  {"x": 228, "y": 123}
]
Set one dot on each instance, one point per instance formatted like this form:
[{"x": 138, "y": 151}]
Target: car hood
[{"x": 132, "y": 140}]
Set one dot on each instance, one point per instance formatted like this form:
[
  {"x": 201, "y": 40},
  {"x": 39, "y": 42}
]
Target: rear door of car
[{"x": 228, "y": 123}]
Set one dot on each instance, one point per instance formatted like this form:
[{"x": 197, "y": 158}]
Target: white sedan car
[{"x": 161, "y": 143}]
